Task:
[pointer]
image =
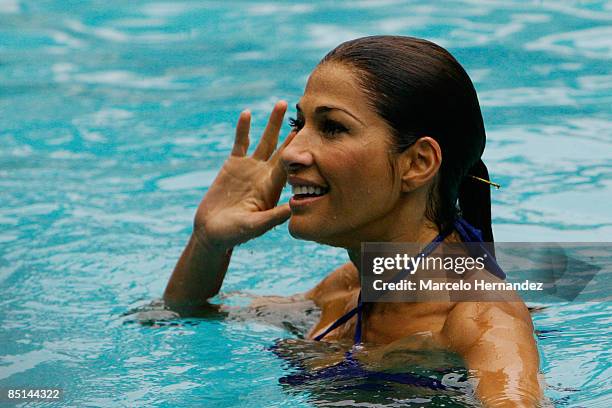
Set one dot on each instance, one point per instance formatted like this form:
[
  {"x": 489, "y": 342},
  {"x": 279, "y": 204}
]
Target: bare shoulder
[
  {"x": 468, "y": 322},
  {"x": 497, "y": 344},
  {"x": 339, "y": 281}
]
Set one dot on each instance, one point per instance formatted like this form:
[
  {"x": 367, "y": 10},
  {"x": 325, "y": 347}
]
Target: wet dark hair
[{"x": 420, "y": 89}]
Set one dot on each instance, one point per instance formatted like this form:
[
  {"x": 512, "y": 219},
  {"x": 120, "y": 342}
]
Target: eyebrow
[{"x": 325, "y": 109}]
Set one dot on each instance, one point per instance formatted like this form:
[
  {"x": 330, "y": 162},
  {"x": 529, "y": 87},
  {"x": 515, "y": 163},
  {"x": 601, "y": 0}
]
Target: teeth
[{"x": 306, "y": 190}]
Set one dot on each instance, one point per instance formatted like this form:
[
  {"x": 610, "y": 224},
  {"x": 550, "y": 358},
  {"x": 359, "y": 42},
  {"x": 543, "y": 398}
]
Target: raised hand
[{"x": 241, "y": 202}]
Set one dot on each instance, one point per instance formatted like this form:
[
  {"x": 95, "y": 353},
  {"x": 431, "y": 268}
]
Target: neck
[{"x": 417, "y": 231}]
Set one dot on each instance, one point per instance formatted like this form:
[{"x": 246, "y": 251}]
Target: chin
[
  {"x": 309, "y": 231},
  {"x": 302, "y": 229}
]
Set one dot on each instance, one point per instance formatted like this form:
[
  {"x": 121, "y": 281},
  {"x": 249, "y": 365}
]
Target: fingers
[
  {"x": 278, "y": 152},
  {"x": 268, "y": 142},
  {"x": 241, "y": 142},
  {"x": 279, "y": 173},
  {"x": 265, "y": 220}
]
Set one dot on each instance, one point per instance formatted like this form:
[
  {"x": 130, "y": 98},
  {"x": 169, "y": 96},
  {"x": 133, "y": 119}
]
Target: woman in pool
[{"x": 387, "y": 136}]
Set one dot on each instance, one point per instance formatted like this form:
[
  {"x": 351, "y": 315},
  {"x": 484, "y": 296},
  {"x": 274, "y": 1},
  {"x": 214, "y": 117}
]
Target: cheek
[{"x": 363, "y": 177}]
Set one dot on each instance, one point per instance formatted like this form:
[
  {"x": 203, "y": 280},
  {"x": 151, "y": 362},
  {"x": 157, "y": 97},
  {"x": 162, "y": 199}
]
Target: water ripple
[
  {"x": 116, "y": 116},
  {"x": 590, "y": 43}
]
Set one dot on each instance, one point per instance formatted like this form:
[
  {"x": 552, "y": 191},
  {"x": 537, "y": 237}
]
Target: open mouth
[{"x": 303, "y": 192}]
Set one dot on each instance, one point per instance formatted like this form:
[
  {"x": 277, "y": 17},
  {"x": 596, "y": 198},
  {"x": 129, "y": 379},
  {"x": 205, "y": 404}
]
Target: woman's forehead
[{"x": 335, "y": 84}]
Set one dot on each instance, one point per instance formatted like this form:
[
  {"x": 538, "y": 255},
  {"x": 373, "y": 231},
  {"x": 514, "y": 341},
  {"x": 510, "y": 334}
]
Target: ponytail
[{"x": 475, "y": 200}]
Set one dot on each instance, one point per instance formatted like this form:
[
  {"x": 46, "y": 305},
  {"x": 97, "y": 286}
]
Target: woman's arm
[
  {"x": 197, "y": 276},
  {"x": 239, "y": 205},
  {"x": 497, "y": 343},
  {"x": 337, "y": 283},
  {"x": 332, "y": 294}
]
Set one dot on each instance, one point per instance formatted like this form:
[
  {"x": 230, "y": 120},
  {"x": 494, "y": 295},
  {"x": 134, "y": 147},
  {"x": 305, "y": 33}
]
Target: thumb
[{"x": 265, "y": 220}]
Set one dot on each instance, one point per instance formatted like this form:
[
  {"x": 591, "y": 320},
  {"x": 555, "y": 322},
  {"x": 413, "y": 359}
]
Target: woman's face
[{"x": 339, "y": 164}]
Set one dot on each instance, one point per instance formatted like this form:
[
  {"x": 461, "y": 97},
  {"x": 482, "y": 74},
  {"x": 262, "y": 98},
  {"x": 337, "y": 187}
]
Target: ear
[{"x": 420, "y": 163}]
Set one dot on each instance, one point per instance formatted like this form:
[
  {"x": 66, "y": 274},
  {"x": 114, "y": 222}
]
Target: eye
[
  {"x": 296, "y": 124},
  {"x": 331, "y": 127}
]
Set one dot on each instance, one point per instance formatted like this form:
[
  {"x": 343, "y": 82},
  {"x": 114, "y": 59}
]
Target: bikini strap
[
  {"x": 359, "y": 308},
  {"x": 345, "y": 318},
  {"x": 469, "y": 233}
]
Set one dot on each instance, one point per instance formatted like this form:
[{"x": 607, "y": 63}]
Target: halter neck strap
[
  {"x": 467, "y": 232},
  {"x": 358, "y": 309}
]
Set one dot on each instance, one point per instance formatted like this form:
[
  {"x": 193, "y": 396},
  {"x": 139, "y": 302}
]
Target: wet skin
[{"x": 367, "y": 192}]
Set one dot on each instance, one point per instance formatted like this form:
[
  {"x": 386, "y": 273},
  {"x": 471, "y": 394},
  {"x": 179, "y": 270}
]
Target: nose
[{"x": 297, "y": 154}]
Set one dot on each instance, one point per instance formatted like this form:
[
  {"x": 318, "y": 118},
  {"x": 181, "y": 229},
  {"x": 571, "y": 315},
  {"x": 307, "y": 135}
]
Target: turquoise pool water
[{"x": 115, "y": 116}]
